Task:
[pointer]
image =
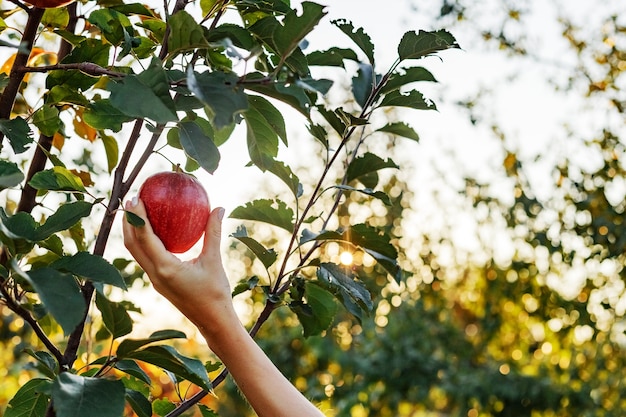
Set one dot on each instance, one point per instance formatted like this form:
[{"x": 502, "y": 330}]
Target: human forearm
[{"x": 267, "y": 390}]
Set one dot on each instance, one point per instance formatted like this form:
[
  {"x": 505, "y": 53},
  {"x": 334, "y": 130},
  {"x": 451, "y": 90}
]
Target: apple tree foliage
[{"x": 112, "y": 72}]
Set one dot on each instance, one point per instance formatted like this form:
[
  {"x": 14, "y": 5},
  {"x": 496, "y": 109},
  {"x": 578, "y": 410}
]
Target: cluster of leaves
[{"x": 129, "y": 66}]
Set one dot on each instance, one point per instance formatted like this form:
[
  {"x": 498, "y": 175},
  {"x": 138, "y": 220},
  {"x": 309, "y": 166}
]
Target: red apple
[
  {"x": 178, "y": 209},
  {"x": 49, "y": 4}
]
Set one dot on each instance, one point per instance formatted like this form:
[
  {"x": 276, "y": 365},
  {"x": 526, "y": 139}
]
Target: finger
[
  {"x": 212, "y": 237},
  {"x": 143, "y": 244}
]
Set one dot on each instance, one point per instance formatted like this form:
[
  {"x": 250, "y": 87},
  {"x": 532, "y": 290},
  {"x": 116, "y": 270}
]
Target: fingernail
[
  {"x": 134, "y": 201},
  {"x": 220, "y": 213}
]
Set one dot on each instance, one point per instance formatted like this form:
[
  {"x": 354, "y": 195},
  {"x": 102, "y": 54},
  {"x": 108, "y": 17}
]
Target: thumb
[{"x": 212, "y": 236}]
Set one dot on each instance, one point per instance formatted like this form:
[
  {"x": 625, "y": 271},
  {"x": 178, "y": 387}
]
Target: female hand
[{"x": 199, "y": 288}]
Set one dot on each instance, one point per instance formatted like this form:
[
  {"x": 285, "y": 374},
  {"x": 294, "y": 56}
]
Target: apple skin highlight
[{"x": 178, "y": 209}]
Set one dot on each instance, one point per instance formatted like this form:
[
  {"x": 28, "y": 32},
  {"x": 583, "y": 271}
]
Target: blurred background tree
[{"x": 529, "y": 321}]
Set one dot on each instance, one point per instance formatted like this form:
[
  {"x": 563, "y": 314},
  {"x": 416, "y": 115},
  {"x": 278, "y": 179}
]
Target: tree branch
[
  {"x": 16, "y": 76},
  {"x": 88, "y": 68}
]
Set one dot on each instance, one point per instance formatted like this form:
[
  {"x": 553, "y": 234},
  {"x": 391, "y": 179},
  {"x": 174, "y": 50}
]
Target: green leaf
[
  {"x": 88, "y": 50},
  {"x": 372, "y": 240},
  {"x": 56, "y": 17},
  {"x": 418, "y": 45},
  {"x": 400, "y": 129},
  {"x": 366, "y": 164},
  {"x": 146, "y": 95},
  {"x": 114, "y": 316},
  {"x": 246, "y": 285},
  {"x": 206, "y": 411},
  {"x": 359, "y": 37},
  {"x": 333, "y": 57},
  {"x": 30, "y": 400},
  {"x": 199, "y": 146},
  {"x": 264, "y": 125},
  {"x": 78, "y": 396},
  {"x": 410, "y": 75},
  {"x": 47, "y": 120},
  {"x": 57, "y": 178},
  {"x": 169, "y": 359},
  {"x": 92, "y": 267},
  {"x": 348, "y": 119},
  {"x": 112, "y": 24},
  {"x": 66, "y": 216},
  {"x": 268, "y": 211},
  {"x": 20, "y": 225},
  {"x": 162, "y": 407},
  {"x": 134, "y": 220},
  {"x": 101, "y": 115},
  {"x": 111, "y": 150},
  {"x": 60, "y": 294},
  {"x": 285, "y": 173},
  {"x": 10, "y": 175},
  {"x": 139, "y": 403},
  {"x": 266, "y": 256},
  {"x": 132, "y": 368},
  {"x": 367, "y": 191},
  {"x": 185, "y": 34},
  {"x": 285, "y": 38},
  {"x": 363, "y": 84},
  {"x": 221, "y": 92},
  {"x": 17, "y": 132},
  {"x": 130, "y": 345},
  {"x": 413, "y": 99},
  {"x": 350, "y": 291},
  {"x": 319, "y": 311},
  {"x": 288, "y": 93},
  {"x": 46, "y": 364}
]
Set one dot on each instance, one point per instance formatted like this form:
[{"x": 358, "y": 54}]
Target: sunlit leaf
[
  {"x": 266, "y": 256},
  {"x": 351, "y": 292},
  {"x": 317, "y": 314},
  {"x": 267, "y": 211},
  {"x": 30, "y": 400},
  {"x": 169, "y": 359},
  {"x": 47, "y": 120},
  {"x": 57, "y": 178},
  {"x": 75, "y": 396},
  {"x": 130, "y": 345}
]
